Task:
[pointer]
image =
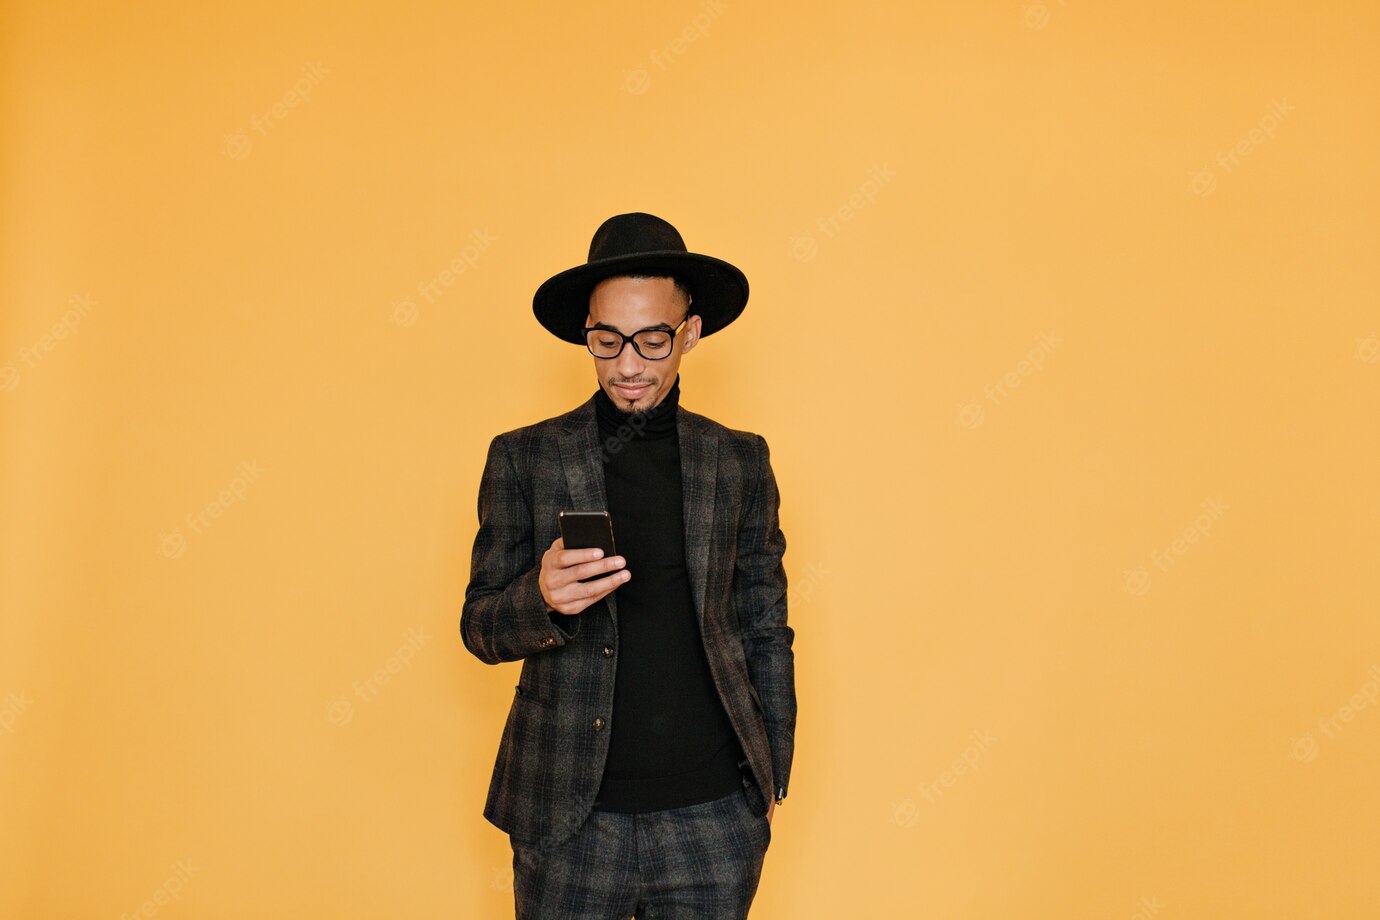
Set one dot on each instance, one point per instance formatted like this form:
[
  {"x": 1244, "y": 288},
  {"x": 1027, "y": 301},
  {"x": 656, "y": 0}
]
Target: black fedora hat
[{"x": 640, "y": 244}]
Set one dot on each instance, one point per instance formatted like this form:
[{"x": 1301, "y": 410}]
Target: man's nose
[{"x": 629, "y": 363}]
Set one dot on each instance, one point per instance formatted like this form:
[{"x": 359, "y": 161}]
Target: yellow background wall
[{"x": 1063, "y": 333}]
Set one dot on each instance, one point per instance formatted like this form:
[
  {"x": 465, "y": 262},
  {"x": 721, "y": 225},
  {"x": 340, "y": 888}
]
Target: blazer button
[
  {"x": 547, "y": 642},
  {"x": 608, "y": 651},
  {"x": 598, "y": 723}
]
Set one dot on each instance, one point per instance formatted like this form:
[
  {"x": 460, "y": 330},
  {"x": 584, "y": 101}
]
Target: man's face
[{"x": 634, "y": 383}]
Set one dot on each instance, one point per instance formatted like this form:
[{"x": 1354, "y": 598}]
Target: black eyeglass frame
[{"x": 660, "y": 327}]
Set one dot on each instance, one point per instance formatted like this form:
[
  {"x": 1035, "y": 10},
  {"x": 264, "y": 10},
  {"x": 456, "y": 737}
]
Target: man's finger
[
  {"x": 591, "y": 591},
  {"x": 597, "y": 567},
  {"x": 601, "y": 586},
  {"x": 571, "y": 557}
]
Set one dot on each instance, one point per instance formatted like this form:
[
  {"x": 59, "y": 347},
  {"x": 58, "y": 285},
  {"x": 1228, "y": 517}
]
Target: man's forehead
[
  {"x": 638, "y": 320},
  {"x": 630, "y": 329}
]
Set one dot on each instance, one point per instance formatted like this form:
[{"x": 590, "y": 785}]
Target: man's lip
[{"x": 640, "y": 386}]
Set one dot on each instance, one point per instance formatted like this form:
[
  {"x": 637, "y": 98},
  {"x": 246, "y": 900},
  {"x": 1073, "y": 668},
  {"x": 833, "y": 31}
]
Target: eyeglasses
[{"x": 651, "y": 343}]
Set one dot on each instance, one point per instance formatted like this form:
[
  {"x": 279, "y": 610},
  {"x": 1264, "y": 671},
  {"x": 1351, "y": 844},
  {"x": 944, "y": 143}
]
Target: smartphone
[{"x": 587, "y": 530}]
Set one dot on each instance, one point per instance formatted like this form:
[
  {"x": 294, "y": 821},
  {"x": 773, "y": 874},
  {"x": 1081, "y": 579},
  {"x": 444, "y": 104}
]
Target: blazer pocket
[
  {"x": 524, "y": 693},
  {"x": 752, "y": 690}
]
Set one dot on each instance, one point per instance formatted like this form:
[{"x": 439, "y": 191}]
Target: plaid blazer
[{"x": 551, "y": 755}]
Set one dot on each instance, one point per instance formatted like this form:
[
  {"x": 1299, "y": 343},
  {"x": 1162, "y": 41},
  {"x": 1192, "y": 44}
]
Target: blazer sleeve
[
  {"x": 759, "y": 595},
  {"x": 505, "y": 617}
]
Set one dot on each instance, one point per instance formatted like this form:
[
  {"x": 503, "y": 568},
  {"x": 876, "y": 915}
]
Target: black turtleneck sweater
[{"x": 671, "y": 741}]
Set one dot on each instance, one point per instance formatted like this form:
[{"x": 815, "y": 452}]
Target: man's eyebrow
[{"x": 665, "y": 327}]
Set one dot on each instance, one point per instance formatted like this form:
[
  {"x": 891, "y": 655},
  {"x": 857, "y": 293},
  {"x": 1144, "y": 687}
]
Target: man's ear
[{"x": 692, "y": 333}]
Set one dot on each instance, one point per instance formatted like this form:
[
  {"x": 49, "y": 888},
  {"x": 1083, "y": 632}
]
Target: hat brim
[{"x": 719, "y": 289}]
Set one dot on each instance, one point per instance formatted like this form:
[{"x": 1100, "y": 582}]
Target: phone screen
[{"x": 587, "y": 530}]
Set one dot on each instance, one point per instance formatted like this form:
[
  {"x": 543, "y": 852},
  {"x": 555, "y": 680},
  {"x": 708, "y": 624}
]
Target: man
[{"x": 651, "y": 734}]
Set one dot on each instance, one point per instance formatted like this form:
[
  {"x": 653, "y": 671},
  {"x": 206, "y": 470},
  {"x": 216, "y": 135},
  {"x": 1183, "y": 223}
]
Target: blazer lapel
[
  {"x": 583, "y": 462},
  {"x": 699, "y": 473}
]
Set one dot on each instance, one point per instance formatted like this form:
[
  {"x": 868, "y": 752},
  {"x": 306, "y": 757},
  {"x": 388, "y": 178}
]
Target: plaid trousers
[{"x": 699, "y": 862}]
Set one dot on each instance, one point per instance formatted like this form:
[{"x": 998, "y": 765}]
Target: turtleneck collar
[{"x": 657, "y": 422}]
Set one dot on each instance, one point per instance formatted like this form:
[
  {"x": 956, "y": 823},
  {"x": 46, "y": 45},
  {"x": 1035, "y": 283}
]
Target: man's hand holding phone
[{"x": 562, "y": 569}]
